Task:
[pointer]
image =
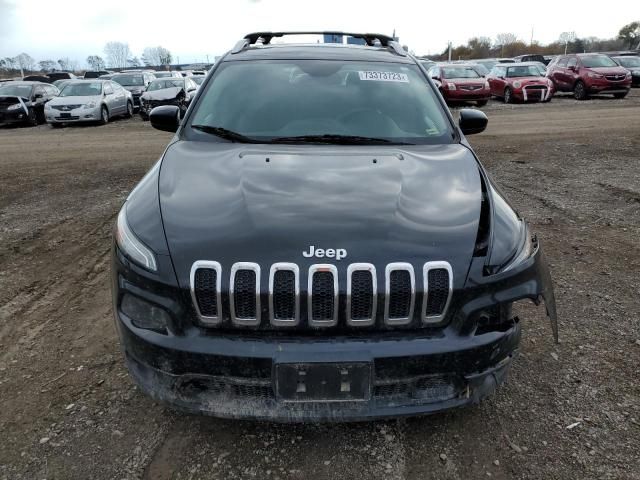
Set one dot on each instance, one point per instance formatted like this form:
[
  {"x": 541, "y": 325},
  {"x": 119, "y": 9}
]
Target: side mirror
[
  {"x": 165, "y": 118},
  {"x": 38, "y": 96},
  {"x": 472, "y": 121},
  {"x": 573, "y": 68},
  {"x": 436, "y": 78}
]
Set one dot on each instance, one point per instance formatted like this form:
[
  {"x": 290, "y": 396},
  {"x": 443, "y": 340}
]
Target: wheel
[
  {"x": 104, "y": 116},
  {"x": 482, "y": 103},
  {"x": 129, "y": 113},
  {"x": 507, "y": 97},
  {"x": 580, "y": 91},
  {"x": 620, "y": 95},
  {"x": 32, "y": 119}
]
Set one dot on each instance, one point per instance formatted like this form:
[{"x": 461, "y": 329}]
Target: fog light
[{"x": 144, "y": 314}]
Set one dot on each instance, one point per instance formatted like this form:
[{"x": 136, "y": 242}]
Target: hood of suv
[{"x": 242, "y": 203}]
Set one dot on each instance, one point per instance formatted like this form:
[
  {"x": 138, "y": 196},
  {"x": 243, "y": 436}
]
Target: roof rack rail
[{"x": 369, "y": 38}]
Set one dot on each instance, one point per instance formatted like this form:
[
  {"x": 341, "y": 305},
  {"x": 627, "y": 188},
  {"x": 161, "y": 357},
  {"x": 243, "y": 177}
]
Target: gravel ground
[{"x": 68, "y": 409}]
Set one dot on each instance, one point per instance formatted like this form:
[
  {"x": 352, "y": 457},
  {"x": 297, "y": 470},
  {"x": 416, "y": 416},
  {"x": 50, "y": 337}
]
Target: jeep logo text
[{"x": 337, "y": 253}]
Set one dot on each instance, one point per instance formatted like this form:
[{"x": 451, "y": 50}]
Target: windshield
[
  {"x": 128, "y": 80},
  {"x": 481, "y": 69},
  {"x": 87, "y": 89},
  {"x": 16, "y": 90},
  {"x": 459, "y": 72},
  {"x": 163, "y": 74},
  {"x": 168, "y": 83},
  {"x": 267, "y": 100},
  {"x": 629, "y": 61},
  {"x": 595, "y": 61},
  {"x": 523, "y": 71}
]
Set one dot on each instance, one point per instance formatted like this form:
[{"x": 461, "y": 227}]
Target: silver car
[{"x": 93, "y": 100}]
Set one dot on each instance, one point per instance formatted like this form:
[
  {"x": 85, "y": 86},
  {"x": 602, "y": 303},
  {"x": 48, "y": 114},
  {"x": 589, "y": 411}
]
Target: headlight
[
  {"x": 517, "y": 84},
  {"x": 628, "y": 75},
  {"x": 486, "y": 85},
  {"x": 15, "y": 106},
  {"x": 89, "y": 105},
  {"x": 595, "y": 75},
  {"x": 451, "y": 86},
  {"x": 525, "y": 251},
  {"x": 131, "y": 246}
]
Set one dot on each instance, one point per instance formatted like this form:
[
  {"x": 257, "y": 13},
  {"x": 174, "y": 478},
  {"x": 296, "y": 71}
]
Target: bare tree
[
  {"x": 156, "y": 56},
  {"x": 47, "y": 65},
  {"x": 566, "y": 38},
  {"x": 118, "y": 54},
  {"x": 503, "y": 39},
  {"x": 630, "y": 34},
  {"x": 25, "y": 62},
  {"x": 64, "y": 63},
  {"x": 95, "y": 62}
]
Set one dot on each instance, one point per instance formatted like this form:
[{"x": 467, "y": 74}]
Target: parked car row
[
  {"x": 94, "y": 100},
  {"x": 526, "y": 78}
]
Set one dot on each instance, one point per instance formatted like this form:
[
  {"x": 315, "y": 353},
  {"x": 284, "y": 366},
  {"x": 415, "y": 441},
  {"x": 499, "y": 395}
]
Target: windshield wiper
[
  {"x": 226, "y": 134},
  {"x": 335, "y": 139}
]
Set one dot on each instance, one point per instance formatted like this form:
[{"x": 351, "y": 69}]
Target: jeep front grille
[
  {"x": 323, "y": 295},
  {"x": 361, "y": 294},
  {"x": 205, "y": 291},
  {"x": 438, "y": 283},
  {"x": 324, "y": 304},
  {"x": 244, "y": 294}
]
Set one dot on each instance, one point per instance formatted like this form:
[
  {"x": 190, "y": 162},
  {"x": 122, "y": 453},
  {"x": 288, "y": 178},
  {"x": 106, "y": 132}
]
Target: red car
[
  {"x": 461, "y": 83},
  {"x": 585, "y": 74},
  {"x": 520, "y": 81}
]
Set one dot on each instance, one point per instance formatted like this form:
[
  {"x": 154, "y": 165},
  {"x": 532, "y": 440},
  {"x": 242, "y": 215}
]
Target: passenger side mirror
[
  {"x": 472, "y": 121},
  {"x": 573, "y": 68},
  {"x": 37, "y": 96},
  {"x": 165, "y": 118}
]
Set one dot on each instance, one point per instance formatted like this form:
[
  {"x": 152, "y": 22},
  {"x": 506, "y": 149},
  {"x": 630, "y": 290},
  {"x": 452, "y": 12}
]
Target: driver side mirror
[
  {"x": 38, "y": 96},
  {"x": 165, "y": 118},
  {"x": 472, "y": 121}
]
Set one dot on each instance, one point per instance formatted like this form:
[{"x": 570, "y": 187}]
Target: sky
[{"x": 195, "y": 29}]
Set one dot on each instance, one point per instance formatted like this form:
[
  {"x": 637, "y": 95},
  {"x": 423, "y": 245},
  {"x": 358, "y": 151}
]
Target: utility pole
[
  {"x": 449, "y": 51},
  {"x": 531, "y": 43}
]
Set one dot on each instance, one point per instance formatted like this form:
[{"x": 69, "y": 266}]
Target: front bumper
[
  {"x": 233, "y": 374},
  {"x": 603, "y": 86},
  {"x": 77, "y": 115},
  {"x": 460, "y": 95},
  {"x": 12, "y": 117}
]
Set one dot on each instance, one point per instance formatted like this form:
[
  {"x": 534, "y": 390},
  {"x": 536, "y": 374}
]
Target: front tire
[
  {"x": 620, "y": 95},
  {"x": 32, "y": 119},
  {"x": 129, "y": 113},
  {"x": 580, "y": 91},
  {"x": 104, "y": 115},
  {"x": 508, "y": 96}
]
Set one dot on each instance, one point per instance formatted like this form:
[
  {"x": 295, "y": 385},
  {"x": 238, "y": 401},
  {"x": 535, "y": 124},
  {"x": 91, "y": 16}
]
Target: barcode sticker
[{"x": 384, "y": 76}]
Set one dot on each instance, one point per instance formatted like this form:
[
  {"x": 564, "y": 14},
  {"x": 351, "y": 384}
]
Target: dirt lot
[{"x": 68, "y": 409}]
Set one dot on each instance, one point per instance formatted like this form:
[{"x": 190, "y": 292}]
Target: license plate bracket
[
  {"x": 65, "y": 115},
  {"x": 323, "y": 382}
]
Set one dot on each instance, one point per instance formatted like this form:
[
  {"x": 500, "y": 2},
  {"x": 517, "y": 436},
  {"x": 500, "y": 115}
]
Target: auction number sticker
[{"x": 384, "y": 76}]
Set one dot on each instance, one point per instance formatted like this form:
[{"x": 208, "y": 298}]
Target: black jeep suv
[{"x": 319, "y": 242}]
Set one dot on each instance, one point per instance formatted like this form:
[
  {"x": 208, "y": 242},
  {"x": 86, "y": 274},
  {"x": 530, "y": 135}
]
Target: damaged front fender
[{"x": 531, "y": 279}]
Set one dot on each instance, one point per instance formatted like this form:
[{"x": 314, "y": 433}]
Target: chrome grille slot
[
  {"x": 244, "y": 294},
  {"x": 323, "y": 295},
  {"x": 284, "y": 294},
  {"x": 361, "y": 294},
  {"x": 400, "y": 293},
  {"x": 438, "y": 285},
  {"x": 205, "y": 291}
]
